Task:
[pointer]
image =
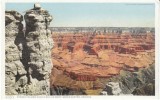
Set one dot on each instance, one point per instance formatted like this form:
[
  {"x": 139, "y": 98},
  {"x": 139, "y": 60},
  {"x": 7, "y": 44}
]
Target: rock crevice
[{"x": 28, "y": 56}]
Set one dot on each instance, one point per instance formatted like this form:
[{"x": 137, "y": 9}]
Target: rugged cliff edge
[
  {"x": 141, "y": 82},
  {"x": 28, "y": 56}
]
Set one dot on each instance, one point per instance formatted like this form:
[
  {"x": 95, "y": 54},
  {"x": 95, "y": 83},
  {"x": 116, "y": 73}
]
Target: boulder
[{"x": 113, "y": 88}]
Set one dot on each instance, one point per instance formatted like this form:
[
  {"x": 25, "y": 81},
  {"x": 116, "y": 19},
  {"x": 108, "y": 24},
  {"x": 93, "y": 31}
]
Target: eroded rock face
[
  {"x": 38, "y": 44},
  {"x": 136, "y": 82},
  {"x": 147, "y": 89},
  {"x": 90, "y": 61},
  {"x": 15, "y": 73},
  {"x": 28, "y": 56}
]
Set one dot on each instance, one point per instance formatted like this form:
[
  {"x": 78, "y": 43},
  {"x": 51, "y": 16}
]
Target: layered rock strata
[
  {"x": 87, "y": 62},
  {"x": 28, "y": 57}
]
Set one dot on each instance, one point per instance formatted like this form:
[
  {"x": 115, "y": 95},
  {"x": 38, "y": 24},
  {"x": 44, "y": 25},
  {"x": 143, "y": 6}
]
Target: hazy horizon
[{"x": 94, "y": 14}]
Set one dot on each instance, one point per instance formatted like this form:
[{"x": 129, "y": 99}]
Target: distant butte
[{"x": 82, "y": 58}]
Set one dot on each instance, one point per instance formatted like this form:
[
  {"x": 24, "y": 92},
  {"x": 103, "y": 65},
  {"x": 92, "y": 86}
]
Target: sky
[{"x": 94, "y": 14}]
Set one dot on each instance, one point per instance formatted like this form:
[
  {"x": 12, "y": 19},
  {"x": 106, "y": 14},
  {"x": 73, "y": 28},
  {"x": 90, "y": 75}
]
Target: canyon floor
[{"x": 102, "y": 64}]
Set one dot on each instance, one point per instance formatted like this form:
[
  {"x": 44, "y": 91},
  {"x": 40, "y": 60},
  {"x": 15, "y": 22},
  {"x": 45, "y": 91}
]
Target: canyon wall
[
  {"x": 141, "y": 82},
  {"x": 28, "y": 56},
  {"x": 87, "y": 63}
]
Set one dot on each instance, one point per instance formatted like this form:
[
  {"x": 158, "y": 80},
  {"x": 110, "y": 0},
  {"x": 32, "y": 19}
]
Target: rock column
[
  {"x": 28, "y": 54},
  {"x": 39, "y": 44},
  {"x": 15, "y": 73}
]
